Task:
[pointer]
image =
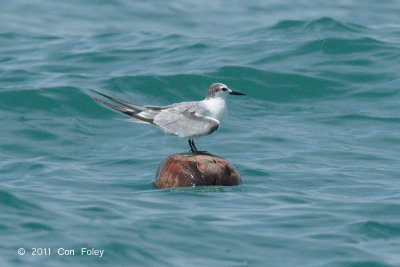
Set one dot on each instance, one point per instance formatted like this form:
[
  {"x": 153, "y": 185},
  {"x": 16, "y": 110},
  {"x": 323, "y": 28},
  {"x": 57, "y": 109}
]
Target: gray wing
[{"x": 186, "y": 119}]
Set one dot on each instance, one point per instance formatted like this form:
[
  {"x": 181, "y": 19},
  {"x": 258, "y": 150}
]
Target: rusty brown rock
[{"x": 189, "y": 169}]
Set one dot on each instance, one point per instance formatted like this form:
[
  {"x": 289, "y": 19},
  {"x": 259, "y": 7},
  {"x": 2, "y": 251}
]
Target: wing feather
[
  {"x": 126, "y": 104},
  {"x": 136, "y": 117},
  {"x": 186, "y": 120}
]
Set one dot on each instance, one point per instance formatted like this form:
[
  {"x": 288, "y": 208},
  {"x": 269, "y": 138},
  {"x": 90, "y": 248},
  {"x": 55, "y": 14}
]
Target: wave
[
  {"x": 341, "y": 46},
  {"x": 376, "y": 230},
  {"x": 323, "y": 23}
]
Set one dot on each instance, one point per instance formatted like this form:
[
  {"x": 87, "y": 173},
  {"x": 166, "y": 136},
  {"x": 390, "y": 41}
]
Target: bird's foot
[{"x": 197, "y": 152}]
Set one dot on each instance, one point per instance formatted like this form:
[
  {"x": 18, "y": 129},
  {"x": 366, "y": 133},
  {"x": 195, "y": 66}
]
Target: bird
[{"x": 184, "y": 119}]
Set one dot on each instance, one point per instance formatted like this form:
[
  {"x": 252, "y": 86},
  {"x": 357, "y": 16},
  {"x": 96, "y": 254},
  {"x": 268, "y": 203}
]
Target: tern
[{"x": 185, "y": 119}]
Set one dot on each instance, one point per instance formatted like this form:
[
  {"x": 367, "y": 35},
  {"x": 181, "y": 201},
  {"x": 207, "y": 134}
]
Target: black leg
[
  {"x": 194, "y": 148},
  {"x": 191, "y": 146}
]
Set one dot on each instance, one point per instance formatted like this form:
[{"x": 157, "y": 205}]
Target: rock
[{"x": 195, "y": 169}]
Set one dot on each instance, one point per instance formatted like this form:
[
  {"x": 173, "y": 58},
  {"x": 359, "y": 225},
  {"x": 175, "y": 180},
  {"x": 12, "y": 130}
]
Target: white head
[{"x": 220, "y": 90}]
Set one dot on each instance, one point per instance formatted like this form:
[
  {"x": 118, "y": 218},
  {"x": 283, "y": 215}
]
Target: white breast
[{"x": 216, "y": 107}]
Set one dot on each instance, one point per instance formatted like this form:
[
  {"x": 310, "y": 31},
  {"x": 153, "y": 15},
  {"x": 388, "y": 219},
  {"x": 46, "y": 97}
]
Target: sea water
[{"x": 316, "y": 140}]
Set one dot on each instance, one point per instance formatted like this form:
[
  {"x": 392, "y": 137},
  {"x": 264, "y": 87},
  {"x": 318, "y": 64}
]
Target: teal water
[{"x": 316, "y": 139}]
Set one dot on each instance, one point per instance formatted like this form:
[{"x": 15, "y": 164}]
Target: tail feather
[
  {"x": 126, "y": 104},
  {"x": 133, "y": 113},
  {"x": 120, "y": 109}
]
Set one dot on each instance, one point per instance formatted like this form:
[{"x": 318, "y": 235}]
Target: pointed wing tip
[
  {"x": 97, "y": 92},
  {"x": 96, "y": 99},
  {"x": 103, "y": 102},
  {"x": 126, "y": 111}
]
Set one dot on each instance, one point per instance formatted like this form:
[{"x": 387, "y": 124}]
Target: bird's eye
[{"x": 224, "y": 89}]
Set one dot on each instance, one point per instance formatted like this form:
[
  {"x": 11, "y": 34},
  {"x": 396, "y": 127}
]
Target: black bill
[{"x": 236, "y": 93}]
